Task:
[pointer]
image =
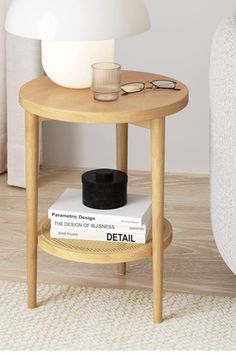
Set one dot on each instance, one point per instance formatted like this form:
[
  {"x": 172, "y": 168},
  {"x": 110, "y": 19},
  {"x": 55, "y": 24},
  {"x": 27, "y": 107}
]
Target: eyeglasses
[{"x": 135, "y": 87}]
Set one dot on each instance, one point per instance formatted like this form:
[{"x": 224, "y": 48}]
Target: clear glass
[{"x": 106, "y": 81}]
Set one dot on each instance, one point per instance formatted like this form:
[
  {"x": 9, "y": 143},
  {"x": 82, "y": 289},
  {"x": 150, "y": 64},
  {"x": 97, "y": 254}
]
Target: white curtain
[
  {"x": 3, "y": 113},
  {"x": 20, "y": 62}
]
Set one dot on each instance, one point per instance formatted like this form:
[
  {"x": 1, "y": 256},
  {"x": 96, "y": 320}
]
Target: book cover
[
  {"x": 91, "y": 226},
  {"x": 100, "y": 235},
  {"x": 69, "y": 206}
]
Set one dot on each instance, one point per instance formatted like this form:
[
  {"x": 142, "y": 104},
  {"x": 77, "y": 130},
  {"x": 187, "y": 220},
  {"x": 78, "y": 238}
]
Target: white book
[
  {"x": 69, "y": 207},
  {"x": 91, "y": 226},
  {"x": 100, "y": 235}
]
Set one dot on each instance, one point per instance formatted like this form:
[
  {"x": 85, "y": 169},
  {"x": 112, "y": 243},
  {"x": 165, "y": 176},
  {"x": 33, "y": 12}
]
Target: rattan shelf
[{"x": 97, "y": 251}]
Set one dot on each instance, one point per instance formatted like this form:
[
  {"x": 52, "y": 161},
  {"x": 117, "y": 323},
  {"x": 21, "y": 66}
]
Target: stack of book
[{"x": 70, "y": 219}]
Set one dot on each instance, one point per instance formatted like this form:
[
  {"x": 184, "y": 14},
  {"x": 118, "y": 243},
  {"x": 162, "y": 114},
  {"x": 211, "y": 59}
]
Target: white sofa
[{"x": 223, "y": 139}]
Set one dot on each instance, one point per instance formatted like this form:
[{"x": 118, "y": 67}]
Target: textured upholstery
[{"x": 223, "y": 139}]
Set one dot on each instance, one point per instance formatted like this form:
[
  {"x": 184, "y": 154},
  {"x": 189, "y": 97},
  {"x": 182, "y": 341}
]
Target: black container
[{"x": 104, "y": 189}]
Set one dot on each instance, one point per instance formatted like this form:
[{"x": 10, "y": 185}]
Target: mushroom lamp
[{"x": 76, "y": 33}]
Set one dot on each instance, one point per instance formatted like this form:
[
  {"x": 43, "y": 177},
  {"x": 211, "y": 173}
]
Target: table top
[{"x": 46, "y": 99}]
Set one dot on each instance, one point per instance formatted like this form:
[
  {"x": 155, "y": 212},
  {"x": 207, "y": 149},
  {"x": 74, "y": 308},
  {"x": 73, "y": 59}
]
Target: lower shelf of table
[{"x": 97, "y": 251}]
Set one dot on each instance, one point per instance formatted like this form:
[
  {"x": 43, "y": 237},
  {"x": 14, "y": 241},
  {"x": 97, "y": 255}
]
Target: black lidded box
[{"x": 104, "y": 189}]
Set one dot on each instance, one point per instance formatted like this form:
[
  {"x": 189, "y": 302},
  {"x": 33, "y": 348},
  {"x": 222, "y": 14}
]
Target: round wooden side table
[{"x": 43, "y": 98}]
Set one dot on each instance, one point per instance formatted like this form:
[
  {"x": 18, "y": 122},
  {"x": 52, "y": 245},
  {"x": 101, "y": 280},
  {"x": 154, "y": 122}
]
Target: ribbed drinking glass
[{"x": 106, "y": 81}]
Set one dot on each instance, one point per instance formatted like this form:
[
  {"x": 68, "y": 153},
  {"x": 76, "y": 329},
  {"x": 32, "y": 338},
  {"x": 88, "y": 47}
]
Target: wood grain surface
[
  {"x": 46, "y": 99},
  {"x": 192, "y": 262}
]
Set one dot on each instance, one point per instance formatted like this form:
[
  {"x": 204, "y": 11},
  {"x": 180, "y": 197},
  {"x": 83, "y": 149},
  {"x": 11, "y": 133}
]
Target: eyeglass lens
[
  {"x": 164, "y": 84},
  {"x": 133, "y": 87}
]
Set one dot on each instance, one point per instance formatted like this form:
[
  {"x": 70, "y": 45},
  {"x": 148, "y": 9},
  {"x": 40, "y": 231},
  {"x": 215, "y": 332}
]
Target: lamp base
[{"x": 68, "y": 64}]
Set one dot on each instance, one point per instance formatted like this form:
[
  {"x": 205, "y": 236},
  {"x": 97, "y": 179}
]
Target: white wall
[{"x": 178, "y": 45}]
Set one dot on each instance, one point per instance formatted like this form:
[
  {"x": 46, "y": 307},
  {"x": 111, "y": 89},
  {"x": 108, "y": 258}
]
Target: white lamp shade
[
  {"x": 77, "y": 20},
  {"x": 69, "y": 63}
]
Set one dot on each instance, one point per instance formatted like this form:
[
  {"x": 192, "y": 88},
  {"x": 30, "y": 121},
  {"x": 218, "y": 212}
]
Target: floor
[{"x": 192, "y": 262}]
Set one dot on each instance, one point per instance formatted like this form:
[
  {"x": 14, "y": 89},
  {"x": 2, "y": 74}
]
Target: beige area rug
[{"x": 70, "y": 318}]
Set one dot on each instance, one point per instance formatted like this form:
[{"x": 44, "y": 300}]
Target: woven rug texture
[{"x": 74, "y": 318}]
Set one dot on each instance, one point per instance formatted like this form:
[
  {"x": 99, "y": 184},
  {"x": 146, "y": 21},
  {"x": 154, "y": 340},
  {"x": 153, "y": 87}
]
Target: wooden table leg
[
  {"x": 32, "y": 151},
  {"x": 122, "y": 163},
  {"x": 158, "y": 161}
]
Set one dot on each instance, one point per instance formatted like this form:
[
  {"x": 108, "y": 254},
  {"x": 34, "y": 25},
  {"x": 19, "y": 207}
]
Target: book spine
[
  {"x": 100, "y": 235},
  {"x": 74, "y": 216},
  {"x": 90, "y": 226},
  {"x": 147, "y": 217}
]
